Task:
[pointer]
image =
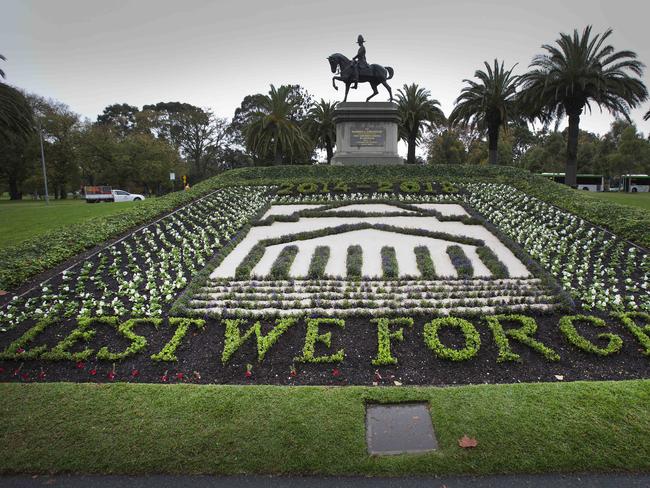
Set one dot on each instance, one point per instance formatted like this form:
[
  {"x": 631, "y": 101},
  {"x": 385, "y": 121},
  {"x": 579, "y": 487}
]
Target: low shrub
[
  {"x": 354, "y": 262},
  {"x": 460, "y": 261},
  {"x": 389, "y": 266}
]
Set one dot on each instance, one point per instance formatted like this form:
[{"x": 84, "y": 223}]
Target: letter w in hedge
[{"x": 234, "y": 338}]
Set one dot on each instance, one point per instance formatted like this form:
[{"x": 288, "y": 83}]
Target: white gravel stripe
[{"x": 535, "y": 307}]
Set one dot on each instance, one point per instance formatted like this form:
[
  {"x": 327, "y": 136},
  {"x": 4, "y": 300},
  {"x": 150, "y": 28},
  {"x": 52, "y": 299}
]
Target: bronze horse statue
[{"x": 374, "y": 74}]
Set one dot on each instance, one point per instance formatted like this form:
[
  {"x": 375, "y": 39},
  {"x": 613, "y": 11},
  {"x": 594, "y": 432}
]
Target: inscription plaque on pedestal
[
  {"x": 366, "y": 133},
  {"x": 367, "y": 136}
]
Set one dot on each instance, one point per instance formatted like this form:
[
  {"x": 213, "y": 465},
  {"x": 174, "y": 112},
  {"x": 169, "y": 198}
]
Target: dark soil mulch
[{"x": 201, "y": 351}]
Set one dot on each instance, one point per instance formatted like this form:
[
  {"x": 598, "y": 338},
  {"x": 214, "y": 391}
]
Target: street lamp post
[{"x": 40, "y": 138}]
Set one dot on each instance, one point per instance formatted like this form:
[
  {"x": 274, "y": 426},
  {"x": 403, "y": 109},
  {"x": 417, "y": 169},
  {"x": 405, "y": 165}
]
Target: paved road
[{"x": 527, "y": 481}]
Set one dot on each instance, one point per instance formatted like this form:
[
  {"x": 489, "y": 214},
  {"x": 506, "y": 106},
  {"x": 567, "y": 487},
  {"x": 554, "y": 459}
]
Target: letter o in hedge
[
  {"x": 472, "y": 339},
  {"x": 307, "y": 188},
  {"x": 409, "y": 186}
]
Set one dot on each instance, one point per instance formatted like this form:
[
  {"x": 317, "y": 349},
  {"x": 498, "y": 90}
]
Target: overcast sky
[{"x": 92, "y": 53}]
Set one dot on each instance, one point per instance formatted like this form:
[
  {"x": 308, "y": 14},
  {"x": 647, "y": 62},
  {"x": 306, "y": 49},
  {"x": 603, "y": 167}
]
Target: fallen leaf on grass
[
  {"x": 559, "y": 377},
  {"x": 467, "y": 442}
]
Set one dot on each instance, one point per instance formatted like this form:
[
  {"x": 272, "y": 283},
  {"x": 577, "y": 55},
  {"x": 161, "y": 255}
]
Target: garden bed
[{"x": 417, "y": 267}]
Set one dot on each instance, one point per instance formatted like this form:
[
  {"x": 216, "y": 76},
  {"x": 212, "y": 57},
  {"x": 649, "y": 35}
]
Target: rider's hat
[{"x": 360, "y": 38}]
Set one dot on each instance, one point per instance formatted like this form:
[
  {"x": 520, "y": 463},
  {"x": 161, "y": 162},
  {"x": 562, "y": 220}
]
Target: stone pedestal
[{"x": 366, "y": 133}]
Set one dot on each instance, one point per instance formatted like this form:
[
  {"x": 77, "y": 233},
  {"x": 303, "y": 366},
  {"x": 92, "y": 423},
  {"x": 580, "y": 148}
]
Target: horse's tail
[{"x": 390, "y": 72}]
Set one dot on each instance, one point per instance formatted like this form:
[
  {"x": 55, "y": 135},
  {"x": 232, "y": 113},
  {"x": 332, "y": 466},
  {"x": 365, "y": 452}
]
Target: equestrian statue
[{"x": 358, "y": 70}]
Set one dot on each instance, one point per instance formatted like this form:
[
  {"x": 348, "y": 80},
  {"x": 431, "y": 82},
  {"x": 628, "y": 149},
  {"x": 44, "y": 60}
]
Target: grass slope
[
  {"x": 126, "y": 428},
  {"x": 640, "y": 200},
  {"x": 24, "y": 220}
]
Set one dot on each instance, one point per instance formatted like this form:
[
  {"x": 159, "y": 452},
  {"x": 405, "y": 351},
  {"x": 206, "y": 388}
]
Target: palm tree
[
  {"x": 15, "y": 112},
  {"x": 487, "y": 105},
  {"x": 272, "y": 129},
  {"x": 321, "y": 127},
  {"x": 417, "y": 110},
  {"x": 578, "y": 71}
]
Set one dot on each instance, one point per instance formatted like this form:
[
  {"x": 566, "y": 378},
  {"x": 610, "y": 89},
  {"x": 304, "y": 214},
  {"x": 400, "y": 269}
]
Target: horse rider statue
[{"x": 359, "y": 61}]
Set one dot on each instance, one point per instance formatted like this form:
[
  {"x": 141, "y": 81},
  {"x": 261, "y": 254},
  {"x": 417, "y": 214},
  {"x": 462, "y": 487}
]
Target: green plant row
[
  {"x": 460, "y": 261},
  {"x": 492, "y": 262},
  {"x": 318, "y": 262},
  {"x": 424, "y": 262},
  {"x": 354, "y": 262}
]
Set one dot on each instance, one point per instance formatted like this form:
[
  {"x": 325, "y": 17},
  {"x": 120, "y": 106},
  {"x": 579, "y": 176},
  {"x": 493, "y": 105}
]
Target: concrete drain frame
[{"x": 399, "y": 428}]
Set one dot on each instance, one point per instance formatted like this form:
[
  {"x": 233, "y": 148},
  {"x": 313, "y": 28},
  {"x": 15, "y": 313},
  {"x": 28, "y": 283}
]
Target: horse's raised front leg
[
  {"x": 374, "y": 91},
  {"x": 347, "y": 89},
  {"x": 390, "y": 92}
]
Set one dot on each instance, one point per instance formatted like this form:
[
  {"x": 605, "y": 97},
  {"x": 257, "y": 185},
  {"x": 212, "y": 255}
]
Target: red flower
[
  {"x": 17, "y": 371},
  {"x": 336, "y": 372},
  {"x": 81, "y": 365},
  {"x": 111, "y": 375},
  {"x": 248, "y": 374},
  {"x": 92, "y": 372},
  {"x": 179, "y": 376},
  {"x": 165, "y": 378},
  {"x": 2, "y": 370},
  {"x": 41, "y": 375},
  {"x": 135, "y": 373},
  {"x": 20, "y": 350},
  {"x": 293, "y": 373},
  {"x": 25, "y": 376}
]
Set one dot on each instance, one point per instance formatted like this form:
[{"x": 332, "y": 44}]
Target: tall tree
[
  {"x": 59, "y": 126},
  {"x": 15, "y": 112},
  {"x": 488, "y": 104},
  {"x": 446, "y": 147},
  {"x": 321, "y": 127},
  {"x": 417, "y": 111},
  {"x": 120, "y": 116},
  {"x": 578, "y": 71},
  {"x": 273, "y": 128}
]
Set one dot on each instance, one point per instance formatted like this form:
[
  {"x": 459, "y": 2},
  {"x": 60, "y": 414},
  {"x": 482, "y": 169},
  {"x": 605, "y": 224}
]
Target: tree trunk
[
  {"x": 410, "y": 155},
  {"x": 277, "y": 158},
  {"x": 493, "y": 144},
  {"x": 14, "y": 193},
  {"x": 572, "y": 149},
  {"x": 330, "y": 151}
]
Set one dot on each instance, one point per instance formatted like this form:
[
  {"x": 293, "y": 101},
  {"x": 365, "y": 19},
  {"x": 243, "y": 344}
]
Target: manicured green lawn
[
  {"x": 641, "y": 200},
  {"x": 126, "y": 428},
  {"x": 27, "y": 219}
]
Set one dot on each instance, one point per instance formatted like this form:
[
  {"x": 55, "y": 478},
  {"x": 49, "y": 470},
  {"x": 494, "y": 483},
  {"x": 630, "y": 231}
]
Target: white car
[{"x": 125, "y": 196}]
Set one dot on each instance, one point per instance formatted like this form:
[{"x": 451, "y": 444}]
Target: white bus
[
  {"x": 584, "y": 182},
  {"x": 635, "y": 183}
]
